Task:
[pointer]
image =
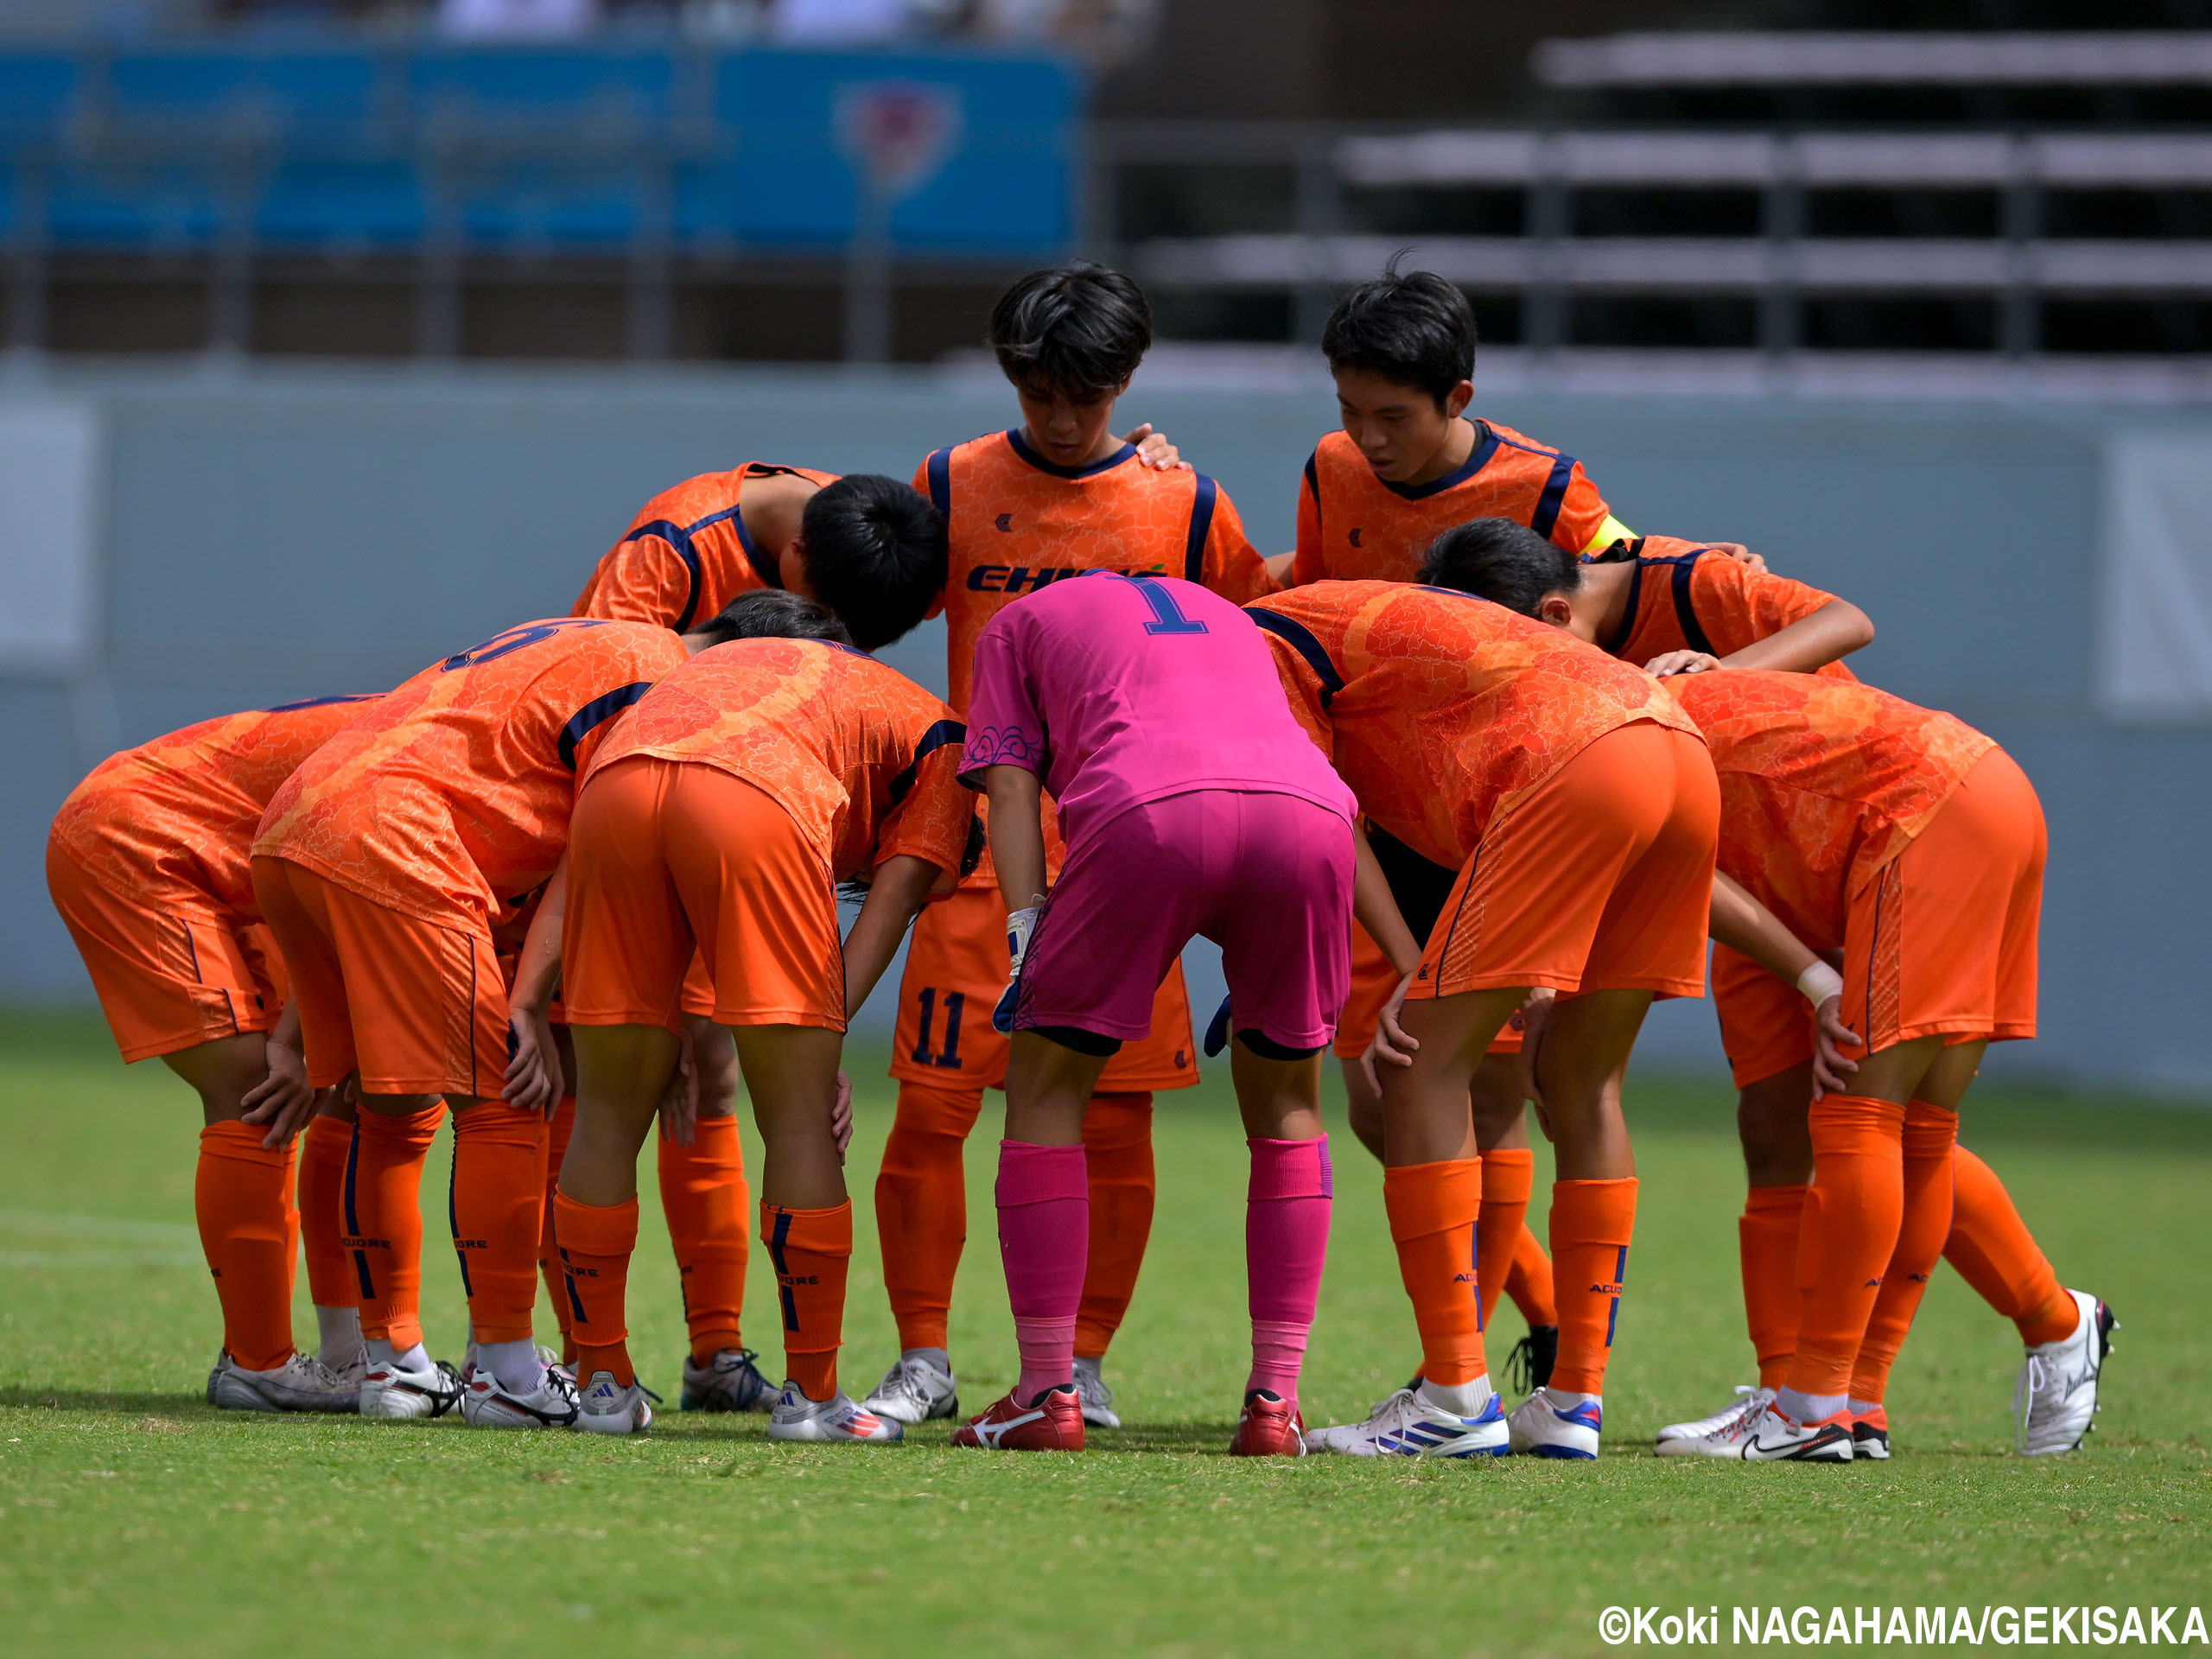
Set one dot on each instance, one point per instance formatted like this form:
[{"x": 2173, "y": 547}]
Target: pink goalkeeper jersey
[{"x": 1117, "y": 691}]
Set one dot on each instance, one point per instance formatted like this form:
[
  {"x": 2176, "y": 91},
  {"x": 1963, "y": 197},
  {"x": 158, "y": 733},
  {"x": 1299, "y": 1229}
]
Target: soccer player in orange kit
[
  {"x": 1408, "y": 463},
  {"x": 1051, "y": 499},
  {"x": 1580, "y": 805},
  {"x": 1914, "y": 845},
  {"x": 384, "y": 865},
  {"x": 717, "y": 820},
  {"x": 1677, "y": 608},
  {"x": 148, "y": 866},
  {"x": 872, "y": 551}
]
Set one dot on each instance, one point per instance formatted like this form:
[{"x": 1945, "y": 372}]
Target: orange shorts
[
  {"x": 1600, "y": 880},
  {"x": 170, "y": 975},
  {"x": 956, "y": 970},
  {"x": 671, "y": 861},
  {"x": 1943, "y": 941},
  {"x": 418, "y": 1008},
  {"x": 1373, "y": 979},
  {"x": 1766, "y": 1025}
]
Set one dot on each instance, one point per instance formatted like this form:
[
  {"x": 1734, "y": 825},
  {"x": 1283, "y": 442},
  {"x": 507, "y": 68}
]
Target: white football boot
[
  {"x": 728, "y": 1382},
  {"x": 2055, "y": 1400},
  {"x": 1775, "y": 1436},
  {"x": 1726, "y": 1435},
  {"x": 301, "y": 1384},
  {"x": 1748, "y": 1403},
  {"x": 1408, "y": 1426},
  {"x": 486, "y": 1402},
  {"x": 391, "y": 1393},
  {"x": 1097, "y": 1399},
  {"x": 795, "y": 1417},
  {"x": 1539, "y": 1429},
  {"x": 605, "y": 1407},
  {"x": 915, "y": 1390}
]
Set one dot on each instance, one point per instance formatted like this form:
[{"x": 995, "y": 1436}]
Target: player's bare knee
[{"x": 1771, "y": 1123}]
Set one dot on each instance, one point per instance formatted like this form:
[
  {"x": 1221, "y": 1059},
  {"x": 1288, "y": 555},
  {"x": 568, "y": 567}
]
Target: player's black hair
[
  {"x": 1078, "y": 329},
  {"x": 771, "y": 613},
  {"x": 875, "y": 554},
  {"x": 1412, "y": 327},
  {"x": 1503, "y": 561}
]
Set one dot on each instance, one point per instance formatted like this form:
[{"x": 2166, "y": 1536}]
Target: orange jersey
[
  {"x": 686, "y": 555},
  {"x": 1822, "y": 782},
  {"x": 1017, "y": 522},
  {"x": 1352, "y": 526},
  {"x": 1687, "y": 597},
  {"x": 860, "y": 756},
  {"x": 171, "y": 823},
  {"x": 1442, "y": 710},
  {"x": 450, "y": 799}
]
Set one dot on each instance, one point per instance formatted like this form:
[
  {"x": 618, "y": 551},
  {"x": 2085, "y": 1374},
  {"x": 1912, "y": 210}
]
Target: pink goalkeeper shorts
[{"x": 1267, "y": 877}]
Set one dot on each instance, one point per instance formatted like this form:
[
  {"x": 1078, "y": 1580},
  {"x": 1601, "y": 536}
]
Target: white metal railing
[{"x": 2134, "y": 58}]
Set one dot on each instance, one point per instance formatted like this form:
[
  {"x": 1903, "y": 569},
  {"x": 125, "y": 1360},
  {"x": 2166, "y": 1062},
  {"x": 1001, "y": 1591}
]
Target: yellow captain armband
[{"x": 1610, "y": 532}]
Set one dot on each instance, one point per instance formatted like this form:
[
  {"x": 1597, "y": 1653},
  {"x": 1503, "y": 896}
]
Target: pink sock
[
  {"x": 1286, "y": 1242},
  {"x": 1044, "y": 1198}
]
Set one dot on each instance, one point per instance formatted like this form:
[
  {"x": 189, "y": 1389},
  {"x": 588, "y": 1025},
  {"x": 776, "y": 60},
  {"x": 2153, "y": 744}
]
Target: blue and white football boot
[
  {"x": 1408, "y": 1425},
  {"x": 1541, "y": 1428}
]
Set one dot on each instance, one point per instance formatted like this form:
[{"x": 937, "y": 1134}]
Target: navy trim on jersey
[
  {"x": 1486, "y": 442},
  {"x": 937, "y": 736},
  {"x": 1546, "y": 517},
  {"x": 1685, "y": 613},
  {"x": 939, "y": 467},
  {"x": 1014, "y": 436},
  {"x": 1300, "y": 640},
  {"x": 1619, "y": 643},
  {"x": 680, "y": 539},
  {"x": 1194, "y": 545},
  {"x": 596, "y": 713},
  {"x": 321, "y": 702},
  {"x": 1313, "y": 486},
  {"x": 763, "y": 567}
]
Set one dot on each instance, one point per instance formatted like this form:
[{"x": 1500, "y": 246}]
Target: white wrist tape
[
  {"x": 1020, "y": 924},
  {"x": 1819, "y": 982}
]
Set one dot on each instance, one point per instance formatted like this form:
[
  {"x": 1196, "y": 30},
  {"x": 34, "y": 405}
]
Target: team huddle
[{"x": 1459, "y": 786}]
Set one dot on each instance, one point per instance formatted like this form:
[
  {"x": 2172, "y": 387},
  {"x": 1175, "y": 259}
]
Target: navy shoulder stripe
[
  {"x": 596, "y": 713},
  {"x": 320, "y": 703},
  {"x": 940, "y": 479},
  {"x": 1194, "y": 545},
  {"x": 1299, "y": 639},
  {"x": 678, "y": 538},
  {"x": 1545, "y": 516},
  {"x": 936, "y": 737},
  {"x": 1313, "y": 486},
  {"x": 1685, "y": 612}
]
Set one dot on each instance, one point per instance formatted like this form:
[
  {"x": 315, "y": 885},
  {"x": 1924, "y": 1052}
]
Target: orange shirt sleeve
[
  {"x": 1306, "y": 565},
  {"x": 591, "y": 724},
  {"x": 935, "y": 819},
  {"x": 1231, "y": 566},
  {"x": 642, "y": 579},
  {"x": 1582, "y": 512}
]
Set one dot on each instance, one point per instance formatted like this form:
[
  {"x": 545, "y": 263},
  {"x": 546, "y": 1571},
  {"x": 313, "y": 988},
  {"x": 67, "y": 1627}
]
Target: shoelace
[
  {"x": 909, "y": 1378},
  {"x": 2031, "y": 1382},
  {"x": 1521, "y": 1367}
]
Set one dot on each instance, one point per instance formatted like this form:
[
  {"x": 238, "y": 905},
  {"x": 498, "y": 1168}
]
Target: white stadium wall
[{"x": 174, "y": 545}]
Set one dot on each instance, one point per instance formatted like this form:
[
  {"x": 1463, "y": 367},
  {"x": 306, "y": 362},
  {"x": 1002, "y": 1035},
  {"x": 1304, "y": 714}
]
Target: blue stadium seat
[
  {"x": 160, "y": 208},
  {"x": 571, "y": 209},
  {"x": 576, "y": 88},
  {"x": 335, "y": 206},
  {"x": 38, "y": 91},
  {"x": 287, "y": 91}
]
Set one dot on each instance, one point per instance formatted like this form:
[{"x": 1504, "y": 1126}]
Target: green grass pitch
[{"x": 135, "y": 1519}]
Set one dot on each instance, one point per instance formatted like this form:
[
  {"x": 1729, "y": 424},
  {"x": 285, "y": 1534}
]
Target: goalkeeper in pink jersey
[{"x": 1191, "y": 802}]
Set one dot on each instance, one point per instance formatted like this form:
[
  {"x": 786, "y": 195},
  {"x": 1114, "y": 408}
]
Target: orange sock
[
  {"x": 703, "y": 1195},
  {"x": 596, "y": 1242},
  {"x": 1529, "y": 1281},
  {"x": 1931, "y": 1136},
  {"x": 242, "y": 1196},
  {"x": 322, "y": 1197},
  {"x": 1766, "y": 1237},
  {"x": 811, "y": 1250},
  {"x": 1433, "y": 1210},
  {"x": 1994, "y": 1252},
  {"x": 558, "y": 1127},
  {"x": 1851, "y": 1218},
  {"x": 497, "y": 1207},
  {"x": 384, "y": 1220},
  {"x": 921, "y": 1207},
  {"x": 1592, "y": 1224},
  {"x": 1117, "y": 1150},
  {"x": 1509, "y": 1176}
]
